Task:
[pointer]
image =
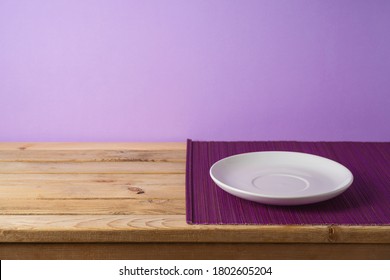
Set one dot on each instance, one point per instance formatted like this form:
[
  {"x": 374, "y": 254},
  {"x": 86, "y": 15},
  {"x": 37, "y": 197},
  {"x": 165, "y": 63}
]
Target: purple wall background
[{"x": 208, "y": 70}]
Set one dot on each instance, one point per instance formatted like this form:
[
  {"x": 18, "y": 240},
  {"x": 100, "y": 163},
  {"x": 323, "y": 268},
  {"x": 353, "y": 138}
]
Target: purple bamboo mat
[{"x": 366, "y": 202}]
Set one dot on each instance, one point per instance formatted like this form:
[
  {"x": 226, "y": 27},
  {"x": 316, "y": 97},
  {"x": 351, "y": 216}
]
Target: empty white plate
[{"x": 281, "y": 178}]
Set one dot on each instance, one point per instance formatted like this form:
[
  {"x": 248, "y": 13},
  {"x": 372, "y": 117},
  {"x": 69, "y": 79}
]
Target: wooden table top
[{"x": 123, "y": 192}]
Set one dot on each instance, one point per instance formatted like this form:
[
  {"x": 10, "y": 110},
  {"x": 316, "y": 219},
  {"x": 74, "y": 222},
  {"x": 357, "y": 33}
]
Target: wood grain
[
  {"x": 160, "y": 228},
  {"x": 91, "y": 155},
  {"x": 127, "y": 200},
  {"x": 190, "y": 251},
  {"x": 91, "y": 206},
  {"x": 173, "y": 228},
  {"x": 72, "y": 179},
  {"x": 90, "y": 186},
  {"x": 92, "y": 167}
]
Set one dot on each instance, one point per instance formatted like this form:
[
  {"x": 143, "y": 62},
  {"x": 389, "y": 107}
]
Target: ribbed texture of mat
[{"x": 366, "y": 202}]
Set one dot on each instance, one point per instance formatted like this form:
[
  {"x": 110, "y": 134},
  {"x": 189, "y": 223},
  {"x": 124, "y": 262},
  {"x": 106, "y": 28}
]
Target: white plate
[{"x": 281, "y": 178}]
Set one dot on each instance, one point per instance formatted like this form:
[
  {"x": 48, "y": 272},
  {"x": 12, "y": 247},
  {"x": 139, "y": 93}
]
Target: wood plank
[
  {"x": 74, "y": 179},
  {"x": 132, "y": 228},
  {"x": 378, "y": 234},
  {"x": 132, "y": 194},
  {"x": 92, "y": 155},
  {"x": 173, "y": 228},
  {"x": 91, "y": 206},
  {"x": 194, "y": 251},
  {"x": 55, "y": 146},
  {"x": 102, "y": 191},
  {"x": 89, "y": 186},
  {"x": 91, "y": 167}
]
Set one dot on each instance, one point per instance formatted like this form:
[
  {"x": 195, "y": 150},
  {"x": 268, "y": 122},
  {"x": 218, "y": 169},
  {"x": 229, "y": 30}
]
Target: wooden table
[{"x": 127, "y": 201}]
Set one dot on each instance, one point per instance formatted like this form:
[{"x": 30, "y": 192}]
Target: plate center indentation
[{"x": 280, "y": 184}]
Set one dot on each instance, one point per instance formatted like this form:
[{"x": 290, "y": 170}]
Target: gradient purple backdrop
[{"x": 208, "y": 70}]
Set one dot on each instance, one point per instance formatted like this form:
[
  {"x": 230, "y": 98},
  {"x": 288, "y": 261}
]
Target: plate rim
[{"x": 344, "y": 186}]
